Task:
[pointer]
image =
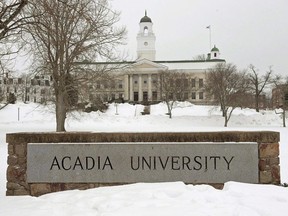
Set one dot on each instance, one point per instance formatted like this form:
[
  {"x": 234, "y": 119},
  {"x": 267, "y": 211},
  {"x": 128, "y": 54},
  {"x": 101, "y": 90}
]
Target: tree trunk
[
  {"x": 226, "y": 120},
  {"x": 60, "y": 112},
  {"x": 284, "y": 118},
  {"x": 169, "y": 107},
  {"x": 222, "y": 109},
  {"x": 257, "y": 102}
]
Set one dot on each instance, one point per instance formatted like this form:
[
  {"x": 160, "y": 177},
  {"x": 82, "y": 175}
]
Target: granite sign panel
[{"x": 142, "y": 162}]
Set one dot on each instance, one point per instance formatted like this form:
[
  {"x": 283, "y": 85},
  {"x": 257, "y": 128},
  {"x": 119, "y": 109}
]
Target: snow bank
[{"x": 155, "y": 198}]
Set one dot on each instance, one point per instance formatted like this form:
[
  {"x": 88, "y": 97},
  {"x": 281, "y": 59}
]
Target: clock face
[{"x": 145, "y": 43}]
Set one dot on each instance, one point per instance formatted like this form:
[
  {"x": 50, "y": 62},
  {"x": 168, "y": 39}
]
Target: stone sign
[{"x": 142, "y": 162}]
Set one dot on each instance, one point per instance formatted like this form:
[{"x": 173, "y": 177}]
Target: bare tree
[
  {"x": 280, "y": 97},
  {"x": 258, "y": 83},
  {"x": 97, "y": 82},
  {"x": 11, "y": 22},
  {"x": 10, "y": 17},
  {"x": 66, "y": 31},
  {"x": 227, "y": 87},
  {"x": 174, "y": 87},
  {"x": 201, "y": 57}
]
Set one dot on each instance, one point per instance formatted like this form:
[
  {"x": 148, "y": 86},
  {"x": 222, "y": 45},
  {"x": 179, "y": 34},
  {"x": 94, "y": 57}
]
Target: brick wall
[{"x": 268, "y": 145}]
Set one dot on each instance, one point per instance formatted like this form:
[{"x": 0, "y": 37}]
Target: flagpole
[
  {"x": 209, "y": 27},
  {"x": 210, "y": 37}
]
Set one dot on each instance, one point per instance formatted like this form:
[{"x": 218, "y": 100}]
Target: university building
[
  {"x": 132, "y": 81},
  {"x": 138, "y": 81},
  {"x": 280, "y": 96},
  {"x": 37, "y": 89}
]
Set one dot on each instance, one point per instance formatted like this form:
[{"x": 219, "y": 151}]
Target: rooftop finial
[{"x": 145, "y": 12}]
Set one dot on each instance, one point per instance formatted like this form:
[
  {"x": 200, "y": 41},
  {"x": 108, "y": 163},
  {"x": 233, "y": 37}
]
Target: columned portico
[{"x": 141, "y": 79}]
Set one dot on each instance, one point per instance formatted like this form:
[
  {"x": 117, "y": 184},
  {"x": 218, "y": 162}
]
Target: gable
[{"x": 146, "y": 64}]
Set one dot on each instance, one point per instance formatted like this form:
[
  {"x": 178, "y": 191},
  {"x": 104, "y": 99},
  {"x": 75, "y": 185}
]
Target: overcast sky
[{"x": 246, "y": 32}]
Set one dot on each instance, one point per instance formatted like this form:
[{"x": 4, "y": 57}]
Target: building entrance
[
  {"x": 136, "y": 96},
  {"x": 145, "y": 96}
]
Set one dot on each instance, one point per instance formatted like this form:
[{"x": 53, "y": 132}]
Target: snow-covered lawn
[{"x": 172, "y": 198}]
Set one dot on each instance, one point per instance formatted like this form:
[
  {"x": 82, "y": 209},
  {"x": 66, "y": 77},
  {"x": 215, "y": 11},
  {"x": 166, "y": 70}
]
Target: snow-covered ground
[{"x": 172, "y": 198}]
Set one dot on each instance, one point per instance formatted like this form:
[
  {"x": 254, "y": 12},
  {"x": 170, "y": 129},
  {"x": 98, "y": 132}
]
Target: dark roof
[
  {"x": 191, "y": 61},
  {"x": 215, "y": 49},
  {"x": 159, "y": 62},
  {"x": 146, "y": 18}
]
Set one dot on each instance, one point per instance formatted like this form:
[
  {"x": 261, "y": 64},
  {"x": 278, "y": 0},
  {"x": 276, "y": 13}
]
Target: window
[
  {"x": 286, "y": 97},
  {"x": 178, "y": 82},
  {"x": 10, "y": 81},
  {"x": 33, "y": 82},
  {"x": 135, "y": 82},
  {"x": 105, "y": 97},
  {"x": 185, "y": 95},
  {"x": 145, "y": 81},
  {"x": 193, "y": 83},
  {"x": 201, "y": 95},
  {"x": 42, "y": 92},
  {"x": 154, "y": 95},
  {"x": 185, "y": 83},
  {"x": 113, "y": 97},
  {"x": 201, "y": 84},
  {"x": 120, "y": 84},
  {"x": 193, "y": 96},
  {"x": 113, "y": 85},
  {"x": 98, "y": 85},
  {"x": 154, "y": 78},
  {"x": 105, "y": 86}
]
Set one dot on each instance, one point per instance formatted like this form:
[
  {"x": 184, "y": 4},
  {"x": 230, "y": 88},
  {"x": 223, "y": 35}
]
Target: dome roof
[
  {"x": 215, "y": 49},
  {"x": 146, "y": 18}
]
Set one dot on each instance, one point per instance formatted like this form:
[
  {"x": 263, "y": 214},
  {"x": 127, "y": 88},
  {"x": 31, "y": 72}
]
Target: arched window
[{"x": 145, "y": 30}]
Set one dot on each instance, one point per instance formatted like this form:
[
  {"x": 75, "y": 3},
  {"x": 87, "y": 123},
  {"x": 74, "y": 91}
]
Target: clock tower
[{"x": 146, "y": 39}]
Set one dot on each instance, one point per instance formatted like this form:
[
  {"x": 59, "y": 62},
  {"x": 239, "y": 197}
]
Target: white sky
[{"x": 246, "y": 32}]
